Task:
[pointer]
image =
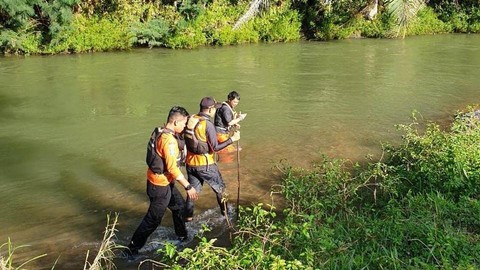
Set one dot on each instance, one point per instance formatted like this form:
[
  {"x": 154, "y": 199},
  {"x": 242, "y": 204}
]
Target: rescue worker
[
  {"x": 201, "y": 142},
  {"x": 161, "y": 188},
  {"x": 226, "y": 119}
]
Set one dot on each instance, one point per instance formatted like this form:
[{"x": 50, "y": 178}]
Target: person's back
[{"x": 199, "y": 149}]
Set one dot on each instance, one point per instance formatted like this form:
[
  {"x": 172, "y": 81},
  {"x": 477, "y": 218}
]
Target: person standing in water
[
  {"x": 201, "y": 142},
  {"x": 163, "y": 156},
  {"x": 227, "y": 119}
]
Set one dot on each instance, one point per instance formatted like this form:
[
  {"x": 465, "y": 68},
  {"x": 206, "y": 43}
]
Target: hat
[{"x": 208, "y": 102}]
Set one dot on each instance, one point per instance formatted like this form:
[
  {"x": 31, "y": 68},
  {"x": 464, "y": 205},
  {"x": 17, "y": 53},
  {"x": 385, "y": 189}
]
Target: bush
[
  {"x": 461, "y": 16},
  {"x": 447, "y": 162},
  {"x": 153, "y": 33},
  {"x": 92, "y": 34},
  {"x": 427, "y": 23},
  {"x": 279, "y": 24},
  {"x": 24, "y": 41},
  {"x": 381, "y": 27},
  {"x": 214, "y": 26},
  {"x": 186, "y": 35}
]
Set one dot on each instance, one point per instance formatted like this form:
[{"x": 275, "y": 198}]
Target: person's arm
[
  {"x": 212, "y": 138},
  {"x": 191, "y": 192},
  {"x": 235, "y": 120},
  {"x": 230, "y": 118}
]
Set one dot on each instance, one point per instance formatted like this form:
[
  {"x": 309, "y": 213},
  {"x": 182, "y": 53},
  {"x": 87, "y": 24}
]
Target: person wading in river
[
  {"x": 227, "y": 119},
  {"x": 163, "y": 155},
  {"x": 201, "y": 142}
]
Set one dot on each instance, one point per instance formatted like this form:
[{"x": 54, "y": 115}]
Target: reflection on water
[{"x": 74, "y": 128}]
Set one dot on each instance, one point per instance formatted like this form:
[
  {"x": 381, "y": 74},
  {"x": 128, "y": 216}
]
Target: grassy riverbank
[{"x": 74, "y": 26}]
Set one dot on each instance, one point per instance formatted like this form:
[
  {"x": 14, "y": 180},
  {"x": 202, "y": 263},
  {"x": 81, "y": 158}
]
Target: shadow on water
[
  {"x": 128, "y": 181},
  {"x": 6, "y": 103},
  {"x": 69, "y": 193}
]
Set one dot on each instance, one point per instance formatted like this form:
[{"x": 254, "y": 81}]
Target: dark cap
[{"x": 208, "y": 102}]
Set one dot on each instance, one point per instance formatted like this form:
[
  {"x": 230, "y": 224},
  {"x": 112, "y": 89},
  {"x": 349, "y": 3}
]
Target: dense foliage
[
  {"x": 417, "y": 208},
  {"x": 63, "y": 26},
  {"x": 33, "y": 26}
]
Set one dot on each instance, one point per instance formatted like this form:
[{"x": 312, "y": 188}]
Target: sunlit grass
[
  {"x": 102, "y": 260},
  {"x": 7, "y": 262},
  {"x": 105, "y": 254}
]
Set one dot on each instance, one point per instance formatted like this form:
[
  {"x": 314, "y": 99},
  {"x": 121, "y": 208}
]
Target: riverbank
[{"x": 88, "y": 26}]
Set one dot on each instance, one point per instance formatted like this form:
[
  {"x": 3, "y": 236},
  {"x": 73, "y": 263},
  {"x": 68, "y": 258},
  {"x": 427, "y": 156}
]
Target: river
[{"x": 74, "y": 128}]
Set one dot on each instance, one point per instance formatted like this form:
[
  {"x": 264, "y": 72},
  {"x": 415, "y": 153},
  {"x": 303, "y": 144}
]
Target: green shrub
[
  {"x": 459, "y": 22},
  {"x": 152, "y": 33},
  {"x": 217, "y": 23},
  {"x": 23, "y": 41},
  {"x": 247, "y": 34},
  {"x": 214, "y": 26},
  {"x": 427, "y": 23},
  {"x": 93, "y": 34},
  {"x": 186, "y": 35},
  {"x": 378, "y": 28},
  {"x": 285, "y": 26},
  {"x": 327, "y": 20},
  {"x": 447, "y": 162}
]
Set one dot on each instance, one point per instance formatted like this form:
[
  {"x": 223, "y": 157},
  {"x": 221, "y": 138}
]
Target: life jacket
[
  {"x": 219, "y": 124},
  {"x": 181, "y": 149},
  {"x": 154, "y": 161},
  {"x": 234, "y": 113},
  {"x": 195, "y": 135}
]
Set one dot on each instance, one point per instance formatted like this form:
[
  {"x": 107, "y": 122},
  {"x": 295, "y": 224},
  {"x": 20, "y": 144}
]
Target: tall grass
[
  {"x": 7, "y": 261},
  {"x": 105, "y": 254},
  {"x": 103, "y": 259}
]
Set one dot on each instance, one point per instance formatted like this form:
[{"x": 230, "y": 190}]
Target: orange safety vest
[
  {"x": 225, "y": 135},
  {"x": 200, "y": 132},
  {"x": 167, "y": 149}
]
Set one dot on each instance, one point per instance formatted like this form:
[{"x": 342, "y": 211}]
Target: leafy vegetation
[{"x": 65, "y": 26}]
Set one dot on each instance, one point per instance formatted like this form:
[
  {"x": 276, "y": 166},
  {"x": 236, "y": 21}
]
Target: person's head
[
  {"x": 177, "y": 118},
  {"x": 233, "y": 99},
  {"x": 209, "y": 105}
]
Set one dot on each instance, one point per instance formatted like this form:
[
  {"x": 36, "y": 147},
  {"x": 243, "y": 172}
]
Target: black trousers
[
  {"x": 197, "y": 175},
  {"x": 161, "y": 198}
]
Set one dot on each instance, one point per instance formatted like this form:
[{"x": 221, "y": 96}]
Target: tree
[{"x": 404, "y": 11}]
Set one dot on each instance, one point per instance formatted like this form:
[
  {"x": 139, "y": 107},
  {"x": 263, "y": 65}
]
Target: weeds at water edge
[
  {"x": 105, "y": 254},
  {"x": 6, "y": 261}
]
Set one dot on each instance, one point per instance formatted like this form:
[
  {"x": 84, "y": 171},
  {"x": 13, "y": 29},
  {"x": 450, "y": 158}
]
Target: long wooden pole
[{"x": 238, "y": 179}]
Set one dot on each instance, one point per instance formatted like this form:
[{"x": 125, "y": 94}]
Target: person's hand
[
  {"x": 192, "y": 194},
  {"x": 242, "y": 116},
  {"x": 236, "y": 136}
]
